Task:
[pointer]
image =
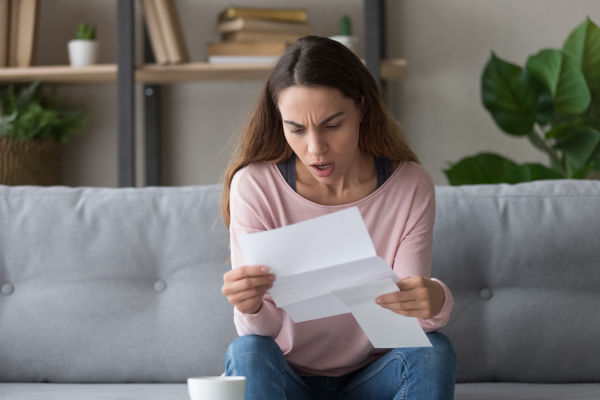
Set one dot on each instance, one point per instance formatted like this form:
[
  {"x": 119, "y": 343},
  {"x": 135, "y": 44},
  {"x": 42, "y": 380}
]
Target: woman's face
[{"x": 321, "y": 126}]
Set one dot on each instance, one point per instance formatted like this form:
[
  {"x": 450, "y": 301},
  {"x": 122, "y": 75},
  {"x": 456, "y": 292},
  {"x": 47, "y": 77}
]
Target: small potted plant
[
  {"x": 32, "y": 127},
  {"x": 83, "y": 50}
]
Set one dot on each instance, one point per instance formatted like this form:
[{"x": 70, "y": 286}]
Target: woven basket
[{"x": 29, "y": 162}]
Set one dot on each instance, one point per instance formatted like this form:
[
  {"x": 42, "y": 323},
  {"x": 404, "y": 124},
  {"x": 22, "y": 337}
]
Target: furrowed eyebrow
[
  {"x": 297, "y": 125},
  {"x": 326, "y": 120}
]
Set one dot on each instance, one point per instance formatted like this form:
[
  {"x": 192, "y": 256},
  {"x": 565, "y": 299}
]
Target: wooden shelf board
[
  {"x": 152, "y": 73},
  {"x": 191, "y": 72},
  {"x": 102, "y": 73},
  {"x": 393, "y": 68},
  {"x": 390, "y": 69}
]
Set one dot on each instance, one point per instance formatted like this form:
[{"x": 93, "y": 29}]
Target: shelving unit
[
  {"x": 159, "y": 74},
  {"x": 126, "y": 75},
  {"x": 104, "y": 73}
]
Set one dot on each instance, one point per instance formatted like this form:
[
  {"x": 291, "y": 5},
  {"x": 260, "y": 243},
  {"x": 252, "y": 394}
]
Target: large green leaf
[
  {"x": 30, "y": 113},
  {"x": 583, "y": 45},
  {"x": 530, "y": 172},
  {"x": 493, "y": 168},
  {"x": 563, "y": 77},
  {"x": 544, "y": 111},
  {"x": 580, "y": 145},
  {"x": 595, "y": 161},
  {"x": 481, "y": 168},
  {"x": 512, "y": 96}
]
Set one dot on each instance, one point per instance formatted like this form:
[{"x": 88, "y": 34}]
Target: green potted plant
[
  {"x": 83, "y": 50},
  {"x": 32, "y": 127},
  {"x": 554, "y": 101}
]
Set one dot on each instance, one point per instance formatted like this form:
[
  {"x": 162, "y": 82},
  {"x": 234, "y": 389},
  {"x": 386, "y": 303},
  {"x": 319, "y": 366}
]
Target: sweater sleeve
[
  {"x": 415, "y": 252},
  {"x": 245, "y": 219}
]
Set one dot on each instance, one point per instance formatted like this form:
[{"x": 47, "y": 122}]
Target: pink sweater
[{"x": 399, "y": 216}]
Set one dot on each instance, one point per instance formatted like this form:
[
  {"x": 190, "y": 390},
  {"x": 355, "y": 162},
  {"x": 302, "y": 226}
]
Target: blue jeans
[{"x": 421, "y": 373}]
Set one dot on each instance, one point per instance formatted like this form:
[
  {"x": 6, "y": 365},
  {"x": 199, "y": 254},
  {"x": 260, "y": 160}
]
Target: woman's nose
[{"x": 316, "y": 143}]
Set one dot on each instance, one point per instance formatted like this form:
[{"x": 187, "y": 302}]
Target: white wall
[{"x": 446, "y": 43}]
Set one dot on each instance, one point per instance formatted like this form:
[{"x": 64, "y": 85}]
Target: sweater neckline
[{"x": 365, "y": 199}]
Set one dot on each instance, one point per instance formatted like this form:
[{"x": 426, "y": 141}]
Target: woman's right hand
[{"x": 245, "y": 287}]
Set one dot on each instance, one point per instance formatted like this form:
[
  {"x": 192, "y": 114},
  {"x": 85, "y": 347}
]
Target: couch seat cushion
[
  {"x": 527, "y": 391},
  {"x": 178, "y": 391},
  {"x": 76, "y": 391}
]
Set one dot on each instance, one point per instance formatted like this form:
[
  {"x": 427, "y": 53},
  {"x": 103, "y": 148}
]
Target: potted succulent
[
  {"x": 554, "y": 101},
  {"x": 83, "y": 50},
  {"x": 32, "y": 127}
]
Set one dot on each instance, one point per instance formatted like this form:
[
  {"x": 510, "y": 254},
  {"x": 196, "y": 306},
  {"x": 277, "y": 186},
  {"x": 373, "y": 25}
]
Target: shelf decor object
[
  {"x": 83, "y": 50},
  {"x": 171, "y": 32},
  {"x": 18, "y": 24},
  {"x": 32, "y": 128}
]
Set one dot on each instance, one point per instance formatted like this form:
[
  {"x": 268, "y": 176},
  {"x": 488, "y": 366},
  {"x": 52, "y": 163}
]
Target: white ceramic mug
[{"x": 217, "y": 387}]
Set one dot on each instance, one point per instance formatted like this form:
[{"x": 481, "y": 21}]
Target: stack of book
[
  {"x": 165, "y": 33},
  {"x": 18, "y": 19},
  {"x": 256, "y": 34}
]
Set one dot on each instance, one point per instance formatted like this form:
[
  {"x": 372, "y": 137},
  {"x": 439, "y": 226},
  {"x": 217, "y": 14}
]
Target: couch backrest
[
  {"x": 112, "y": 285},
  {"x": 123, "y": 285},
  {"x": 523, "y": 262}
]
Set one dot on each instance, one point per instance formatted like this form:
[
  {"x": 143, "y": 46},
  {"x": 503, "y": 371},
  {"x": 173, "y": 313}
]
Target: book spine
[
  {"x": 4, "y": 31},
  {"x": 291, "y": 15},
  {"x": 240, "y": 24},
  {"x": 154, "y": 33},
  {"x": 242, "y": 59},
  {"x": 250, "y": 49},
  {"x": 171, "y": 31},
  {"x": 259, "y": 36},
  {"x": 13, "y": 33},
  {"x": 27, "y": 24}
]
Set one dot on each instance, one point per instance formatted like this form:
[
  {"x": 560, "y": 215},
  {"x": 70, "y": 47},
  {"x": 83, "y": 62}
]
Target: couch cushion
[
  {"x": 112, "y": 285},
  {"x": 523, "y": 262},
  {"x": 466, "y": 391},
  {"x": 71, "y": 391},
  {"x": 527, "y": 391}
]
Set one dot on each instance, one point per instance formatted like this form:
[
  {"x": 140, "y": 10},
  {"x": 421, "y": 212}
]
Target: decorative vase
[{"x": 83, "y": 52}]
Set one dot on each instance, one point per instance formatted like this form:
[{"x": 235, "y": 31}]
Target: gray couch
[{"x": 115, "y": 293}]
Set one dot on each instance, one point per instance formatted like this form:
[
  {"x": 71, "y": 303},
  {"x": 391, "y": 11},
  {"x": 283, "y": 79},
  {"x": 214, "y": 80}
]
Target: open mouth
[
  {"x": 323, "y": 167},
  {"x": 323, "y": 170}
]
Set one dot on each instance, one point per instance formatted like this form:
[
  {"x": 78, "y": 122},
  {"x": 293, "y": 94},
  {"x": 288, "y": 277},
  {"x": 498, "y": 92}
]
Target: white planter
[{"x": 83, "y": 52}]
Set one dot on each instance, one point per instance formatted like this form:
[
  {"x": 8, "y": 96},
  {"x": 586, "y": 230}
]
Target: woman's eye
[
  {"x": 297, "y": 130},
  {"x": 332, "y": 126}
]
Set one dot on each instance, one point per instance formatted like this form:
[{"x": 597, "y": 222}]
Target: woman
[{"x": 320, "y": 140}]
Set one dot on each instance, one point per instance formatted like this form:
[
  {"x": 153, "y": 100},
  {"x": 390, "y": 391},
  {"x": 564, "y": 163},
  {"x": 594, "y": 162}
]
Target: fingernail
[
  {"x": 377, "y": 300},
  {"x": 264, "y": 269},
  {"x": 272, "y": 277}
]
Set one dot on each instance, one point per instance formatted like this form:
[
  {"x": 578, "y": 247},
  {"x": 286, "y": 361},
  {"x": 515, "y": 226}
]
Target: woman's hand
[
  {"x": 245, "y": 287},
  {"x": 418, "y": 297}
]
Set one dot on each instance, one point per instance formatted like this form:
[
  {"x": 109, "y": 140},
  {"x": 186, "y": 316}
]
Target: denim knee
[
  {"x": 442, "y": 345},
  {"x": 443, "y": 353},
  {"x": 253, "y": 343},
  {"x": 252, "y": 349}
]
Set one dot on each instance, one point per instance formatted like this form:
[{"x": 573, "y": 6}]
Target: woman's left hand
[{"x": 418, "y": 297}]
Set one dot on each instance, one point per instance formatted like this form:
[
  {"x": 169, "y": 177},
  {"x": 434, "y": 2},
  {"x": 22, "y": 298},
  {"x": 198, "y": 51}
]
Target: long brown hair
[{"x": 316, "y": 61}]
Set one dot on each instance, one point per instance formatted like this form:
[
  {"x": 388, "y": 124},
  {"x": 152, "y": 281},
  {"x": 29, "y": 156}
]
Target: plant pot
[
  {"x": 30, "y": 162},
  {"x": 83, "y": 52}
]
